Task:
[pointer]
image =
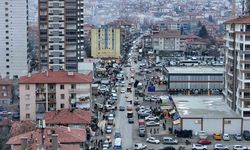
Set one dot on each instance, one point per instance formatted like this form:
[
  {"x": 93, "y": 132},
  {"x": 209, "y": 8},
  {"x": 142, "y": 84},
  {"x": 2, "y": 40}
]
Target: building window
[
  {"x": 4, "y": 94},
  {"x": 7, "y": 66},
  {"x": 73, "y": 86},
  {"x": 62, "y": 86},
  {"x": 27, "y": 87},
  {"x": 7, "y": 49},
  {"x": 62, "y": 105},
  {"x": 3, "y": 87},
  {"x": 7, "y": 54},
  {"x": 27, "y": 116},
  {"x": 227, "y": 121},
  {"x": 6, "y": 31},
  {"x": 27, "y": 97},
  {"x": 62, "y": 96},
  {"x": 6, "y": 3},
  {"x": 7, "y": 43},
  {"x": 6, "y": 9},
  {"x": 7, "y": 73},
  {"x": 246, "y": 114},
  {"x": 27, "y": 107}
]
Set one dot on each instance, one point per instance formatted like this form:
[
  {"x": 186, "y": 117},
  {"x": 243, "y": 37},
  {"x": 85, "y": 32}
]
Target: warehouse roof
[
  {"x": 203, "y": 106},
  {"x": 195, "y": 70}
]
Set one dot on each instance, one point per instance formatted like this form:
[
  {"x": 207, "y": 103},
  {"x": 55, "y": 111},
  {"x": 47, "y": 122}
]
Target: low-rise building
[
  {"x": 166, "y": 41},
  {"x": 75, "y": 118},
  {"x": 53, "y": 90},
  {"x": 55, "y": 138},
  {"x": 194, "y": 80},
  {"x": 5, "y": 91}
]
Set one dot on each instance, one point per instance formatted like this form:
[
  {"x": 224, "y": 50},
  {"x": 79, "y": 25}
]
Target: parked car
[
  {"x": 151, "y": 118},
  {"x": 140, "y": 146},
  {"x": 226, "y": 137},
  {"x": 153, "y": 140},
  {"x": 239, "y": 147},
  {"x": 121, "y": 108},
  {"x": 141, "y": 132},
  {"x": 130, "y": 120},
  {"x": 167, "y": 148},
  {"x": 199, "y": 147},
  {"x": 169, "y": 140},
  {"x": 220, "y": 147},
  {"x": 246, "y": 135},
  {"x": 238, "y": 137},
  {"x": 202, "y": 135},
  {"x": 117, "y": 134},
  {"x": 204, "y": 142},
  {"x": 109, "y": 129},
  {"x": 217, "y": 136}
]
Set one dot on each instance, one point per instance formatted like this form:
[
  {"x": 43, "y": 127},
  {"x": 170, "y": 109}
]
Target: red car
[{"x": 204, "y": 142}]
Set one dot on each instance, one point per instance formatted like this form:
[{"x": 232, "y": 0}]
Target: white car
[
  {"x": 140, "y": 146},
  {"x": 226, "y": 137},
  {"x": 239, "y": 147},
  {"x": 220, "y": 147},
  {"x": 199, "y": 147},
  {"x": 202, "y": 135},
  {"x": 153, "y": 140},
  {"x": 152, "y": 118},
  {"x": 122, "y": 91}
]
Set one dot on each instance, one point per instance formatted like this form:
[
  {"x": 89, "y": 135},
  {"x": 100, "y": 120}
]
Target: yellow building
[{"x": 105, "y": 43}]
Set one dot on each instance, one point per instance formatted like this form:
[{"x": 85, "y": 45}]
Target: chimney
[
  {"x": 55, "y": 144},
  {"x": 47, "y": 73},
  {"x": 24, "y": 143},
  {"x": 29, "y": 75}
]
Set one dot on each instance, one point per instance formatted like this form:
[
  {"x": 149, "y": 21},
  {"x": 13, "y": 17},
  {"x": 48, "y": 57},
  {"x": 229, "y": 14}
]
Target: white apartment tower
[
  {"x": 237, "y": 65},
  {"x": 13, "y": 37},
  {"x": 61, "y": 34}
]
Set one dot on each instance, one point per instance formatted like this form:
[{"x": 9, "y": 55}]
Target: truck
[{"x": 129, "y": 111}]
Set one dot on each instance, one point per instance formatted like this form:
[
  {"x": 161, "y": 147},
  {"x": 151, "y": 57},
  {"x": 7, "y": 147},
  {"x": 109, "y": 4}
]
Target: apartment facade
[
  {"x": 237, "y": 65},
  {"x": 61, "y": 34},
  {"x": 166, "y": 41},
  {"x": 5, "y": 91},
  {"x": 105, "y": 43},
  {"x": 13, "y": 38},
  {"x": 53, "y": 90}
]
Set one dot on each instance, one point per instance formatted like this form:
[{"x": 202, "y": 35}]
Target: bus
[{"x": 118, "y": 144}]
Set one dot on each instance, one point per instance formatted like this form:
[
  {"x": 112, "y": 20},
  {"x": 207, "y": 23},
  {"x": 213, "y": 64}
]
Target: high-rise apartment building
[
  {"x": 13, "y": 38},
  {"x": 61, "y": 34},
  {"x": 237, "y": 65},
  {"x": 105, "y": 43}
]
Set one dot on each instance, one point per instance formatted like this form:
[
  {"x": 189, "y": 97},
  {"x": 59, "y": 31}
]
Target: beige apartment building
[{"x": 53, "y": 90}]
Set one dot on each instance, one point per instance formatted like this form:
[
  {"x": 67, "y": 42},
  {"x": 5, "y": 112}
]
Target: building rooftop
[
  {"x": 20, "y": 127},
  {"x": 56, "y": 77},
  {"x": 169, "y": 33},
  {"x": 195, "y": 70},
  {"x": 5, "y": 81},
  {"x": 203, "y": 106},
  {"x": 239, "y": 20},
  {"x": 66, "y": 135},
  {"x": 67, "y": 117}
]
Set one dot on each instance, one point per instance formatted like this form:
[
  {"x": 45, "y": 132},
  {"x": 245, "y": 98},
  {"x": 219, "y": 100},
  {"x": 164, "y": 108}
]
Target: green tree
[{"x": 203, "y": 32}]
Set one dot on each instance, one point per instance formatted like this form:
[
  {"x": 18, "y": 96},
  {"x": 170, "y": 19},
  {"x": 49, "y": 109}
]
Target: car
[
  {"x": 141, "y": 132},
  {"x": 226, "y": 137},
  {"x": 167, "y": 148},
  {"x": 169, "y": 140},
  {"x": 117, "y": 134},
  {"x": 220, "y": 147},
  {"x": 152, "y": 123},
  {"x": 151, "y": 118},
  {"x": 217, "y": 136},
  {"x": 140, "y": 146},
  {"x": 239, "y": 147},
  {"x": 130, "y": 120},
  {"x": 202, "y": 135},
  {"x": 199, "y": 147},
  {"x": 109, "y": 139},
  {"x": 238, "y": 137},
  {"x": 111, "y": 116},
  {"x": 152, "y": 140},
  {"x": 122, "y": 91},
  {"x": 109, "y": 129},
  {"x": 106, "y": 144},
  {"x": 129, "y": 100},
  {"x": 204, "y": 142},
  {"x": 121, "y": 108},
  {"x": 246, "y": 135}
]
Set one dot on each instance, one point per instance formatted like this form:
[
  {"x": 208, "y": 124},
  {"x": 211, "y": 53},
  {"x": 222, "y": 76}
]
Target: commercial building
[
  {"x": 105, "y": 43},
  {"x": 194, "y": 80},
  {"x": 61, "y": 33},
  {"x": 166, "y": 41},
  {"x": 53, "y": 90},
  {"x": 5, "y": 91},
  {"x": 237, "y": 68},
  {"x": 13, "y": 38}
]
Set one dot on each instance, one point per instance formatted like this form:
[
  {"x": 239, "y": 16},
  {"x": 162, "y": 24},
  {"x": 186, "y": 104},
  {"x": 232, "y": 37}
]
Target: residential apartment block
[
  {"x": 13, "y": 38},
  {"x": 61, "y": 41},
  {"x": 166, "y": 41},
  {"x": 5, "y": 91},
  {"x": 53, "y": 90},
  {"x": 105, "y": 43},
  {"x": 237, "y": 65}
]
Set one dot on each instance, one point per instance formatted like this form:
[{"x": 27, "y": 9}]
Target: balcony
[
  {"x": 52, "y": 90},
  {"x": 79, "y": 91}
]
